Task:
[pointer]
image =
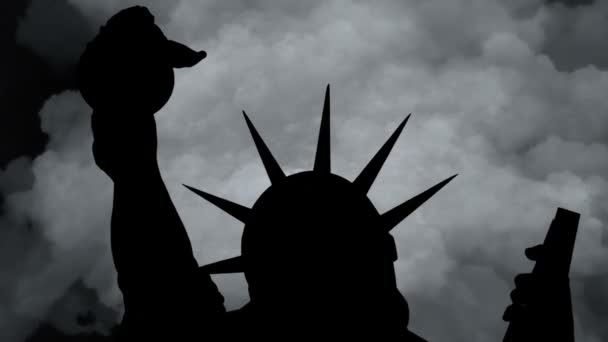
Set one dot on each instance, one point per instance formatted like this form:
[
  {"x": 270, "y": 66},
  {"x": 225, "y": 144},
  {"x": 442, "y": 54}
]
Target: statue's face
[{"x": 313, "y": 240}]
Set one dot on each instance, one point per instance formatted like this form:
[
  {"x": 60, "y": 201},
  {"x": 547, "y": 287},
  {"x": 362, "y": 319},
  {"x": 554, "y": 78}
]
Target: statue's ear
[{"x": 181, "y": 56}]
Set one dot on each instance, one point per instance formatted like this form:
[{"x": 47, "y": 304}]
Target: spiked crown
[{"x": 316, "y": 232}]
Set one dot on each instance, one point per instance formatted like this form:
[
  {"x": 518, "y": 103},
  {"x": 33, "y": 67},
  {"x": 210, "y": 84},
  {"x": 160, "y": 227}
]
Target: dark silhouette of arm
[
  {"x": 126, "y": 75},
  {"x": 157, "y": 272}
]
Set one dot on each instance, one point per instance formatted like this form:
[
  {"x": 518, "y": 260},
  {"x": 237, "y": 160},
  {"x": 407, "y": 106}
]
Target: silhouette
[
  {"x": 316, "y": 254},
  {"x": 541, "y": 309}
]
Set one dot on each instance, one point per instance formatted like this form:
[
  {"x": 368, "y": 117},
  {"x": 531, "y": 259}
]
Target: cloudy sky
[{"x": 509, "y": 94}]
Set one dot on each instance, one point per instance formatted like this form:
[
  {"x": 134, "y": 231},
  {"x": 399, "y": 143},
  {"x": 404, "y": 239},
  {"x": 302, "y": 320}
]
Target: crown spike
[
  {"x": 393, "y": 217},
  {"x": 270, "y": 164},
  {"x": 367, "y": 177},
  {"x": 323, "y": 155},
  {"x": 237, "y": 211}
]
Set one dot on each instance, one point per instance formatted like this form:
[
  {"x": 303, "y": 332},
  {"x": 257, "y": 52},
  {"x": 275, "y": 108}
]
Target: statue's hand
[
  {"x": 124, "y": 149},
  {"x": 541, "y": 309},
  {"x": 126, "y": 75},
  {"x": 128, "y": 66}
]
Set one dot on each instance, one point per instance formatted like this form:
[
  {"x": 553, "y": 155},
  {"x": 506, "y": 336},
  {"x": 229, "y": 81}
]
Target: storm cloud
[{"x": 495, "y": 93}]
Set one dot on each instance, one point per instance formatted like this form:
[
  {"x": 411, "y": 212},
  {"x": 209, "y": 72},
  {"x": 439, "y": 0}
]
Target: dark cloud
[
  {"x": 25, "y": 86},
  {"x": 23, "y": 250},
  {"x": 56, "y": 32},
  {"x": 575, "y": 35},
  {"x": 40, "y": 43},
  {"x": 80, "y": 310},
  {"x": 29, "y": 75},
  {"x": 78, "y": 316}
]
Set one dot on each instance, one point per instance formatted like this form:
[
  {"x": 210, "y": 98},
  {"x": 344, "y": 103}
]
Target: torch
[{"x": 128, "y": 67}]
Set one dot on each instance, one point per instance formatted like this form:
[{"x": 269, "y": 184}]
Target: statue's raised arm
[{"x": 126, "y": 75}]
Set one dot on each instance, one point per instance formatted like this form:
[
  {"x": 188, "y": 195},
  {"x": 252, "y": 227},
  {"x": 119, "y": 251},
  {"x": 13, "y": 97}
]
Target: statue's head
[
  {"x": 315, "y": 247},
  {"x": 128, "y": 67},
  {"x": 315, "y": 234}
]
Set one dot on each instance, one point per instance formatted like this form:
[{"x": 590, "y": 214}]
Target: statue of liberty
[{"x": 317, "y": 255}]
